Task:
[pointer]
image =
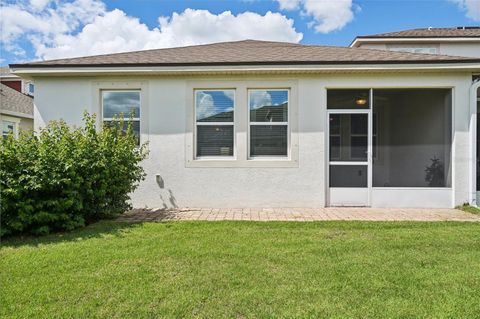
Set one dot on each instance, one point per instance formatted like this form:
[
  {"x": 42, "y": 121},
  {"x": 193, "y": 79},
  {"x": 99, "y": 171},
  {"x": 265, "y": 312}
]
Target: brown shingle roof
[
  {"x": 13, "y": 101},
  {"x": 460, "y": 32},
  {"x": 248, "y": 52}
]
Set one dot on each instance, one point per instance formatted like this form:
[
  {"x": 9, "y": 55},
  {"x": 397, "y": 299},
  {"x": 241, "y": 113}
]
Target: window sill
[
  {"x": 269, "y": 158},
  {"x": 449, "y": 188},
  {"x": 238, "y": 163}
]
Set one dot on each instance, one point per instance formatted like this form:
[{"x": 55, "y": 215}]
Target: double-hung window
[
  {"x": 242, "y": 124},
  {"x": 268, "y": 127},
  {"x": 122, "y": 104},
  {"x": 214, "y": 118}
]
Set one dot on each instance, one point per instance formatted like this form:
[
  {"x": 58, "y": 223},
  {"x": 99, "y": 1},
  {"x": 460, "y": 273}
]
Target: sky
[{"x": 52, "y": 29}]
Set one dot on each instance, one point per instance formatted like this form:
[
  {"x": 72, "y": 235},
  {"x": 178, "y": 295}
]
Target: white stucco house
[
  {"x": 16, "y": 103},
  {"x": 463, "y": 41},
  {"x": 270, "y": 124}
]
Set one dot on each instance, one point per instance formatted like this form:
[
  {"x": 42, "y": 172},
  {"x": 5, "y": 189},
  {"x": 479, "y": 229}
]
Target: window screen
[
  {"x": 413, "y": 138},
  {"x": 214, "y": 113},
  {"x": 268, "y": 122},
  {"x": 122, "y": 104}
]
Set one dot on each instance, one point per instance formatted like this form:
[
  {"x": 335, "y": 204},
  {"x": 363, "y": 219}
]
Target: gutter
[
  {"x": 16, "y": 114},
  {"x": 418, "y": 39},
  {"x": 247, "y": 63},
  {"x": 26, "y": 71}
]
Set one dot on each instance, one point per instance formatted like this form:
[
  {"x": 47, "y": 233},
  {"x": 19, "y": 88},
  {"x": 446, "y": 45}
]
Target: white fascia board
[
  {"x": 17, "y": 114},
  {"x": 265, "y": 69},
  {"x": 9, "y": 77},
  {"x": 358, "y": 41}
]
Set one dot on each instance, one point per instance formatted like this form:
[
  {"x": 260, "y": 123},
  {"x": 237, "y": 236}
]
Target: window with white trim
[
  {"x": 122, "y": 104},
  {"x": 214, "y": 123},
  {"x": 268, "y": 125},
  {"x": 9, "y": 127}
]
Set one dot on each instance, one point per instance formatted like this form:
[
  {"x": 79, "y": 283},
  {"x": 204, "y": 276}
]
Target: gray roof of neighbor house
[
  {"x": 248, "y": 52},
  {"x": 457, "y": 32},
  {"x": 15, "y": 103},
  {"x": 5, "y": 73}
]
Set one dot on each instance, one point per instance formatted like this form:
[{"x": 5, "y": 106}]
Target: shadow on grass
[
  {"x": 127, "y": 223},
  {"x": 96, "y": 230}
]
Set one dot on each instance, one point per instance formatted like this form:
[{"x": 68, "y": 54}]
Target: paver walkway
[{"x": 299, "y": 214}]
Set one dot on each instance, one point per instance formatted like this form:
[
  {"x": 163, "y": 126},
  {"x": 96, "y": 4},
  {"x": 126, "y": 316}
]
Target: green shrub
[{"x": 64, "y": 177}]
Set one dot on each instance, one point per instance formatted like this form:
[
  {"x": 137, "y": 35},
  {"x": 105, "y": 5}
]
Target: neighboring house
[
  {"x": 462, "y": 41},
  {"x": 15, "y": 82},
  {"x": 16, "y": 106},
  {"x": 256, "y": 123}
]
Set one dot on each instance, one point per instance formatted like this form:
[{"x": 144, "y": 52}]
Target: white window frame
[
  {"x": 241, "y": 120},
  {"x": 125, "y": 116},
  {"x": 15, "y": 122},
  {"x": 250, "y": 124},
  {"x": 116, "y": 84},
  {"x": 26, "y": 87},
  {"x": 195, "y": 145}
]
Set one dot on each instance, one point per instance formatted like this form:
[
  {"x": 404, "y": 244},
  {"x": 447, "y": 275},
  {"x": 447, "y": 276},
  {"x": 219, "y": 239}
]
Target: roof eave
[
  {"x": 414, "y": 39},
  {"x": 17, "y": 114},
  {"x": 222, "y": 64},
  {"x": 230, "y": 69},
  {"x": 9, "y": 77}
]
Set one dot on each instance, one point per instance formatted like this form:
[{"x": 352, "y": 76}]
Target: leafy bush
[{"x": 64, "y": 177}]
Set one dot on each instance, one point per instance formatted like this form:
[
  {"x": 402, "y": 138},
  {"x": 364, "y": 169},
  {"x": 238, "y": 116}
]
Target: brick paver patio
[{"x": 298, "y": 214}]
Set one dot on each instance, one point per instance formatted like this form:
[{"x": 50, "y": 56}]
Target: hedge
[{"x": 65, "y": 177}]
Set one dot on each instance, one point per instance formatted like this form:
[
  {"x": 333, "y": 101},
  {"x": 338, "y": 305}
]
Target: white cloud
[
  {"x": 327, "y": 15},
  {"x": 42, "y": 20},
  {"x": 39, "y": 4},
  {"x": 230, "y": 94},
  {"x": 205, "y": 106},
  {"x": 84, "y": 27},
  {"x": 472, "y": 8},
  {"x": 201, "y": 26},
  {"x": 289, "y": 4},
  {"x": 259, "y": 99}
]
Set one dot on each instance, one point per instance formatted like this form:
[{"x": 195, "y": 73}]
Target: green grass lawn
[
  {"x": 469, "y": 209},
  {"x": 245, "y": 270}
]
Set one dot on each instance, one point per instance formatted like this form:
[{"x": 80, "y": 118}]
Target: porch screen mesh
[{"x": 413, "y": 143}]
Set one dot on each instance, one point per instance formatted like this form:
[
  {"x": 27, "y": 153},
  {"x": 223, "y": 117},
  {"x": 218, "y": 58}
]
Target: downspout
[{"x": 473, "y": 142}]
